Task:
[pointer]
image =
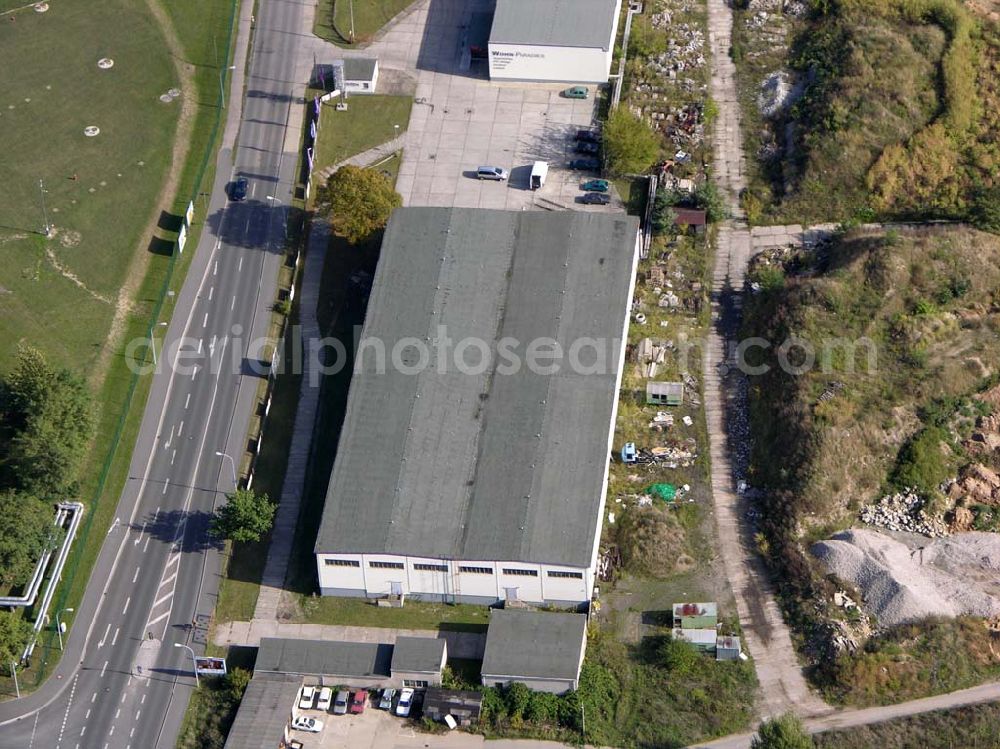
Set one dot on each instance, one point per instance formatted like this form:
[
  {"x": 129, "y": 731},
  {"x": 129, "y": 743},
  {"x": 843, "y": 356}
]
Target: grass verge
[
  {"x": 368, "y": 122},
  {"x": 335, "y": 19}
]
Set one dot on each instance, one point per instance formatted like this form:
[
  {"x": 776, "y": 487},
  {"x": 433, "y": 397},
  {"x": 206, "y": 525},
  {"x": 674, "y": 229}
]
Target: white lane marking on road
[
  {"x": 218, "y": 244},
  {"x": 180, "y": 429},
  {"x": 146, "y": 545},
  {"x": 123, "y": 696},
  {"x": 232, "y": 305},
  {"x": 104, "y": 668},
  {"x": 139, "y": 537},
  {"x": 132, "y": 732},
  {"x": 101, "y": 643},
  {"x": 93, "y": 698},
  {"x": 34, "y": 727},
  {"x": 169, "y": 439},
  {"x": 115, "y": 638},
  {"x": 171, "y": 561},
  {"x": 127, "y": 602},
  {"x": 166, "y": 483},
  {"x": 169, "y": 579},
  {"x": 161, "y": 617},
  {"x": 205, "y": 321},
  {"x": 200, "y": 341},
  {"x": 161, "y": 600},
  {"x": 112, "y": 731},
  {"x": 137, "y": 714},
  {"x": 142, "y": 702},
  {"x": 211, "y": 348},
  {"x": 240, "y": 267},
  {"x": 215, "y": 268},
  {"x": 194, "y": 372},
  {"x": 69, "y": 704},
  {"x": 117, "y": 713},
  {"x": 87, "y": 716},
  {"x": 173, "y": 456},
  {"x": 134, "y": 578},
  {"x": 211, "y": 291},
  {"x": 187, "y": 401}
]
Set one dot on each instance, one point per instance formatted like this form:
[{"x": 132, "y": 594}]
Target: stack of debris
[{"x": 903, "y": 511}]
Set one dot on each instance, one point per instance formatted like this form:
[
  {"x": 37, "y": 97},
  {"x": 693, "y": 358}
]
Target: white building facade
[{"x": 553, "y": 40}]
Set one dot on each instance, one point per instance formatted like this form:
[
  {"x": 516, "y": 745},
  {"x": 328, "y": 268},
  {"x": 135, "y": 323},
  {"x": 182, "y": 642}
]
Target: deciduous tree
[
  {"x": 247, "y": 516},
  {"x": 360, "y": 202},
  {"x": 630, "y": 144},
  {"x": 26, "y": 532}
]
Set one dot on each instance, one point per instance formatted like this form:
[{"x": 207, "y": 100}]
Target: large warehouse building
[
  {"x": 461, "y": 475},
  {"x": 553, "y": 40}
]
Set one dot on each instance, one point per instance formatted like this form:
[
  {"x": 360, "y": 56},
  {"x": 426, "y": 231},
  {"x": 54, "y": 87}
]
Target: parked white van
[{"x": 539, "y": 171}]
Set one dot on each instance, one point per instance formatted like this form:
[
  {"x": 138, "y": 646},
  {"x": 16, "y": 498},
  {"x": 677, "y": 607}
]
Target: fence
[{"x": 46, "y": 648}]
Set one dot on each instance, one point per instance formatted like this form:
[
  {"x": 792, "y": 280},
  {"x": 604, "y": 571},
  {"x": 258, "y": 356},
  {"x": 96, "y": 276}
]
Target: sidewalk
[
  {"x": 460, "y": 644},
  {"x": 366, "y": 158}
]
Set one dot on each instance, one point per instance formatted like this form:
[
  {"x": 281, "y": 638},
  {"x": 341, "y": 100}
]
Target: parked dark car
[
  {"x": 588, "y": 136},
  {"x": 585, "y": 164},
  {"x": 588, "y": 148},
  {"x": 596, "y": 198},
  {"x": 238, "y": 189}
]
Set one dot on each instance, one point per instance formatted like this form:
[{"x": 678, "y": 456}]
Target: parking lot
[{"x": 461, "y": 120}]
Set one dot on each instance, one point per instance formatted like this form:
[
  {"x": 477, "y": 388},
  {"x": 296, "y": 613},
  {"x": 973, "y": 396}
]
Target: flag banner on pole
[
  {"x": 182, "y": 237},
  {"x": 189, "y": 214},
  {"x": 312, "y": 129},
  {"x": 309, "y": 155}
]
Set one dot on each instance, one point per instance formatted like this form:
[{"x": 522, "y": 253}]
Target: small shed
[
  {"x": 542, "y": 650},
  {"x": 664, "y": 393},
  {"x": 360, "y": 75},
  {"x": 694, "y": 218},
  {"x": 418, "y": 661},
  {"x": 696, "y": 615},
  {"x": 727, "y": 648},
  {"x": 463, "y": 706},
  {"x": 703, "y": 639}
]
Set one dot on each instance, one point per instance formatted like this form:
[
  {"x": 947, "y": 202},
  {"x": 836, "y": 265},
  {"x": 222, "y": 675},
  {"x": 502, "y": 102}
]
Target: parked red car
[{"x": 358, "y": 701}]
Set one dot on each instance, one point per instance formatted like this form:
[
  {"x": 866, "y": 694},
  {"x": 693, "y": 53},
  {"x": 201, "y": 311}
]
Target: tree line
[{"x": 46, "y": 424}]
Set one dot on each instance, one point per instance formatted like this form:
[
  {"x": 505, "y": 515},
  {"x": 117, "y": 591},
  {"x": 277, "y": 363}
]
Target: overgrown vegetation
[
  {"x": 896, "y": 117},
  {"x": 212, "y": 710},
  {"x": 783, "y": 732},
  {"x": 874, "y": 345},
  {"x": 630, "y": 144},
  {"x": 973, "y": 727}
]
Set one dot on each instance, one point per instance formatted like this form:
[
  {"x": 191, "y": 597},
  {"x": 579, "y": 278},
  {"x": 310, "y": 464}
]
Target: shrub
[
  {"x": 922, "y": 463},
  {"x": 630, "y": 144},
  {"x": 785, "y": 732}
]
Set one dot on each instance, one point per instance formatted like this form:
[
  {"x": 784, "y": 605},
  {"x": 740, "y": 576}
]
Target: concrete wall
[{"x": 418, "y": 577}]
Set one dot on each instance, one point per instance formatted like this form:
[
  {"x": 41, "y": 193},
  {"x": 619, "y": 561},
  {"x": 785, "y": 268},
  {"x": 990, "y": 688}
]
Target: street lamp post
[
  {"x": 232, "y": 464},
  {"x": 284, "y": 224},
  {"x": 194, "y": 661},
  {"x": 13, "y": 672},
  {"x": 59, "y": 625},
  {"x": 152, "y": 341},
  {"x": 222, "y": 85}
]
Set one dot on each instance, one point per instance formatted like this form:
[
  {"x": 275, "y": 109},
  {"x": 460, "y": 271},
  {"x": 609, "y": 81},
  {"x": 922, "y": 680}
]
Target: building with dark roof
[
  {"x": 359, "y": 664},
  {"x": 543, "y": 650},
  {"x": 472, "y": 464},
  {"x": 553, "y": 40},
  {"x": 418, "y": 661},
  {"x": 265, "y": 713},
  {"x": 463, "y": 706}
]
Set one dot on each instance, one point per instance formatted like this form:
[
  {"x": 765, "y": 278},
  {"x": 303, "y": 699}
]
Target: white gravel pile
[{"x": 900, "y": 583}]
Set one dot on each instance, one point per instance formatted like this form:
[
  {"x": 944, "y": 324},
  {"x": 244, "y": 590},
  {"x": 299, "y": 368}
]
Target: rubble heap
[{"x": 903, "y": 512}]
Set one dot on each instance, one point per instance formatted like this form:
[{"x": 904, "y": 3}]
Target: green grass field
[
  {"x": 333, "y": 18},
  {"x": 368, "y": 122},
  {"x": 101, "y": 192}
]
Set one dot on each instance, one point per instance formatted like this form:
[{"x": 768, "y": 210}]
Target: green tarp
[{"x": 666, "y": 492}]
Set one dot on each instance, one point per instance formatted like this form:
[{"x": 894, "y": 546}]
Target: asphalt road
[{"x": 122, "y": 683}]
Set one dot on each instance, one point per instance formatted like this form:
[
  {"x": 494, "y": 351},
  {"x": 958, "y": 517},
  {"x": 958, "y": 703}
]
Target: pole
[
  {"x": 352, "y": 21},
  {"x": 194, "y": 662},
  {"x": 583, "y": 716},
  {"x": 45, "y": 215},
  {"x": 13, "y": 672},
  {"x": 232, "y": 464},
  {"x": 59, "y": 624}
]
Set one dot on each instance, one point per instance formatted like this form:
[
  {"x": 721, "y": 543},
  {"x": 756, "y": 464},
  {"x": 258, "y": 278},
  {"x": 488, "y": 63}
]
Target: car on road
[
  {"x": 358, "y": 700},
  {"x": 588, "y": 136},
  {"x": 405, "y": 703},
  {"x": 591, "y": 165},
  {"x": 583, "y": 146},
  {"x": 324, "y": 699},
  {"x": 386, "y": 702},
  {"x": 596, "y": 185},
  {"x": 340, "y": 704},
  {"x": 576, "y": 92},
  {"x": 303, "y": 723},
  {"x": 595, "y": 198},
  {"x": 238, "y": 189},
  {"x": 494, "y": 173},
  {"x": 306, "y": 698}
]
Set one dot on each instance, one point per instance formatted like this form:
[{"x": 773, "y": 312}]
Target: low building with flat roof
[
  {"x": 541, "y": 649},
  {"x": 353, "y": 664},
  {"x": 473, "y": 460},
  {"x": 553, "y": 40},
  {"x": 418, "y": 661},
  {"x": 463, "y": 706},
  {"x": 264, "y": 715}
]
